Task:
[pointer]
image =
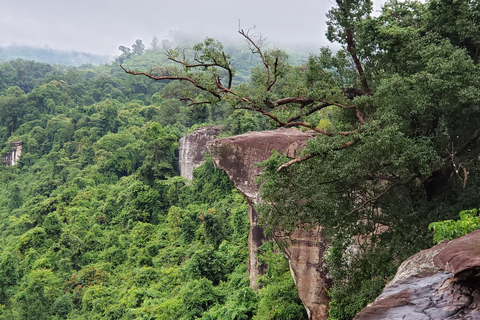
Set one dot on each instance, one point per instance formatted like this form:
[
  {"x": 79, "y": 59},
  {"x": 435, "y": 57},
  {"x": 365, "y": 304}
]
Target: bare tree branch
[
  {"x": 202, "y": 64},
  {"x": 309, "y": 112},
  {"x": 351, "y": 48},
  {"x": 312, "y": 155},
  {"x": 369, "y": 200},
  {"x": 338, "y": 104},
  {"x": 302, "y": 101},
  {"x": 257, "y": 49},
  {"x": 305, "y": 106},
  {"x": 157, "y": 78},
  {"x": 275, "y": 74},
  {"x": 195, "y": 103}
]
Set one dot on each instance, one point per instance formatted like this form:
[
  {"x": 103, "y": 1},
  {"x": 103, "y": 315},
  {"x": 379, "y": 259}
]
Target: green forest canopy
[
  {"x": 396, "y": 118},
  {"x": 97, "y": 224}
]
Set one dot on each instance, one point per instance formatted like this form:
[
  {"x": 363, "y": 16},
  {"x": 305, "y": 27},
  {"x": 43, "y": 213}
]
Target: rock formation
[
  {"x": 239, "y": 156},
  {"x": 192, "y": 148},
  {"x": 11, "y": 158},
  {"x": 441, "y": 283}
]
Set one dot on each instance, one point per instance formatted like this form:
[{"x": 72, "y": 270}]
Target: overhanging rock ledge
[{"x": 239, "y": 156}]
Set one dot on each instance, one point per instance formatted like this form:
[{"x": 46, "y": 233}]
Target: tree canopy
[
  {"x": 97, "y": 223},
  {"x": 95, "y": 220},
  {"x": 396, "y": 116}
]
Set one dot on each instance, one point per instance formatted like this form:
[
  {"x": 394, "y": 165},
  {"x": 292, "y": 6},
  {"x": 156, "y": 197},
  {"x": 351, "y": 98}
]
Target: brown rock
[
  {"x": 239, "y": 156},
  {"x": 461, "y": 256},
  {"x": 441, "y": 283},
  {"x": 305, "y": 257}
]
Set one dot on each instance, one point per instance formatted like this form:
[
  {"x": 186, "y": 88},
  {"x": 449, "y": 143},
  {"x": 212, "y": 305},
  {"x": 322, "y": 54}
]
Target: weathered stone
[
  {"x": 441, "y": 283},
  {"x": 192, "y": 148},
  {"x": 11, "y": 158},
  {"x": 417, "y": 265},
  {"x": 305, "y": 256},
  {"x": 416, "y": 316},
  {"x": 461, "y": 255},
  {"x": 239, "y": 157},
  {"x": 422, "y": 305}
]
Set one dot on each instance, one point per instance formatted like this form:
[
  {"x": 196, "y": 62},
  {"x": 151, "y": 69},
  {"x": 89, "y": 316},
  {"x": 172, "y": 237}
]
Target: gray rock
[{"x": 192, "y": 148}]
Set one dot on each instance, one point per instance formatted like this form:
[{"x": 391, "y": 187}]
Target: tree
[
  {"x": 464, "y": 30},
  {"x": 37, "y": 294},
  {"x": 126, "y": 53},
  {"x": 154, "y": 43},
  {"x": 12, "y": 108},
  {"x": 450, "y": 229},
  {"x": 160, "y": 154},
  {"x": 208, "y": 68},
  {"x": 403, "y": 142},
  {"x": 138, "y": 47}
]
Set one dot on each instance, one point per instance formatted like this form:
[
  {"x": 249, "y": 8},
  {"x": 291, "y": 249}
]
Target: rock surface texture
[
  {"x": 192, "y": 147},
  {"x": 441, "y": 283},
  {"x": 239, "y": 156},
  {"x": 11, "y": 158}
]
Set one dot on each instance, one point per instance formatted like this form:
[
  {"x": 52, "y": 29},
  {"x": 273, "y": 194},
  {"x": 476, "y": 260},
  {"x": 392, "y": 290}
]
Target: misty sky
[{"x": 100, "y": 26}]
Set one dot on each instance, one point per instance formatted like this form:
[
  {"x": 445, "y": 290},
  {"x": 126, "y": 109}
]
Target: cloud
[{"x": 100, "y": 26}]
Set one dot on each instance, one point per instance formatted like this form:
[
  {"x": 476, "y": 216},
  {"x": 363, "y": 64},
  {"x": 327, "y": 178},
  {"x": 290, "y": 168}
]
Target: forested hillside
[
  {"x": 95, "y": 221},
  {"x": 395, "y": 114},
  {"x": 50, "y": 56}
]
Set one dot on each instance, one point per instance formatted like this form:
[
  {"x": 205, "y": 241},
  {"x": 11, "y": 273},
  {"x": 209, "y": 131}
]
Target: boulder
[
  {"x": 440, "y": 283},
  {"x": 239, "y": 156}
]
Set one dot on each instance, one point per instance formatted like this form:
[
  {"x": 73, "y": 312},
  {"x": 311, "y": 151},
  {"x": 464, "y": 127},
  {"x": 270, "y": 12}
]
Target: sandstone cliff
[
  {"x": 192, "y": 148},
  {"x": 11, "y": 158},
  {"x": 440, "y": 283},
  {"x": 239, "y": 156}
]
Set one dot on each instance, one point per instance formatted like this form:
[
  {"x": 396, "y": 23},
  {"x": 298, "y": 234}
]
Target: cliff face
[
  {"x": 192, "y": 147},
  {"x": 239, "y": 156},
  {"x": 442, "y": 282},
  {"x": 11, "y": 158},
  {"x": 439, "y": 283}
]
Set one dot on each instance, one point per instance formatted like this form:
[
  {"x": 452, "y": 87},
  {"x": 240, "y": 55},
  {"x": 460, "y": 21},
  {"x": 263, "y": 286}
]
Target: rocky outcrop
[
  {"x": 11, "y": 158},
  {"x": 192, "y": 147},
  {"x": 239, "y": 156},
  {"x": 441, "y": 283}
]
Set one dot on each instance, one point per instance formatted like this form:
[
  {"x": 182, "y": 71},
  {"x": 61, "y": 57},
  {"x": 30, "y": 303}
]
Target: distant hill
[{"x": 50, "y": 56}]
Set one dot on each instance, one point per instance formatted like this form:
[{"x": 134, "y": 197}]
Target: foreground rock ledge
[
  {"x": 239, "y": 156},
  {"x": 440, "y": 283}
]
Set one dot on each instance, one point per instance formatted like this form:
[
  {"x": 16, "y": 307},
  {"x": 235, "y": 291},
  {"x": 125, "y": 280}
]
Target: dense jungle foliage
[
  {"x": 396, "y": 119},
  {"x": 97, "y": 224},
  {"x": 95, "y": 221},
  {"x": 402, "y": 150}
]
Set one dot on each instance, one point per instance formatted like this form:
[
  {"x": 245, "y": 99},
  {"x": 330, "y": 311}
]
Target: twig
[
  {"x": 157, "y": 78},
  {"x": 412, "y": 177},
  {"x": 312, "y": 155}
]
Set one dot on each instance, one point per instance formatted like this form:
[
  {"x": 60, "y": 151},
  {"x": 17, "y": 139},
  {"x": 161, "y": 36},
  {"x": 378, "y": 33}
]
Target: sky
[{"x": 101, "y": 26}]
